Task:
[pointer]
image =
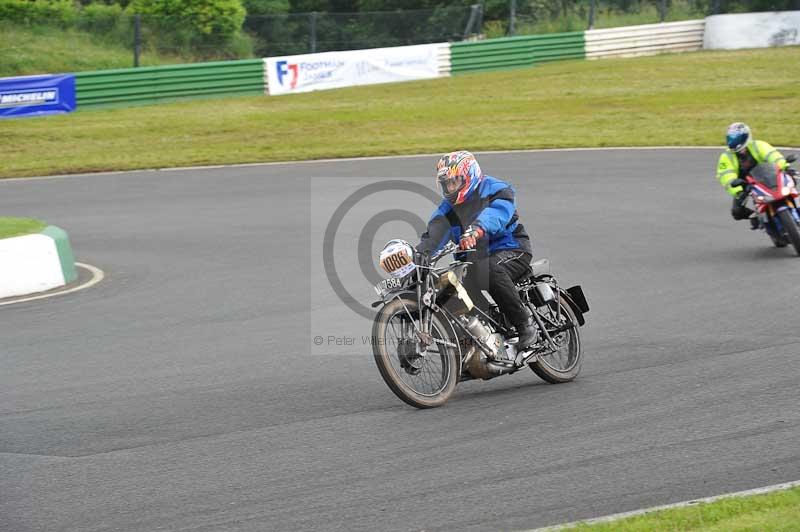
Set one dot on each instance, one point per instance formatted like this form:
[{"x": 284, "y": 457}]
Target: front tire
[
  {"x": 423, "y": 381},
  {"x": 790, "y": 226},
  {"x": 778, "y": 241},
  {"x": 564, "y": 364}
]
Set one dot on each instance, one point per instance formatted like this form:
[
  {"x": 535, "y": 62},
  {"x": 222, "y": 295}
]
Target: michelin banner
[
  {"x": 752, "y": 30},
  {"x": 331, "y": 70},
  {"x": 37, "y": 95}
]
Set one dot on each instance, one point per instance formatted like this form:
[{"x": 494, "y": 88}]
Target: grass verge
[
  {"x": 682, "y": 99},
  {"x": 19, "y": 226},
  {"x": 777, "y": 511}
]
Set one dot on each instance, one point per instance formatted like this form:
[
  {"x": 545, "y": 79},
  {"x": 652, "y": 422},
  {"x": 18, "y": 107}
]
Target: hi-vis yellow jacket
[{"x": 728, "y": 166}]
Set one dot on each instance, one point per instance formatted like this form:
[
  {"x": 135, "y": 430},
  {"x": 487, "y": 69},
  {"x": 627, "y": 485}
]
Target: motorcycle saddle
[{"x": 536, "y": 269}]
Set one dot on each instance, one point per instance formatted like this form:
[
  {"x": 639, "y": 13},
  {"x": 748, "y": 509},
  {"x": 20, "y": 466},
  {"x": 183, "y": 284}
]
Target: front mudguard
[
  {"x": 403, "y": 294},
  {"x": 411, "y": 296}
]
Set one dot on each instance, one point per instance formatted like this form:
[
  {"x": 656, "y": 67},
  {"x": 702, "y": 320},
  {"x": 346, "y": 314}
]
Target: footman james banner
[
  {"x": 330, "y": 70},
  {"x": 37, "y": 95}
]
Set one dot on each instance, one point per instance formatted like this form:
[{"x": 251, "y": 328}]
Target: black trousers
[
  {"x": 738, "y": 210},
  {"x": 496, "y": 274}
]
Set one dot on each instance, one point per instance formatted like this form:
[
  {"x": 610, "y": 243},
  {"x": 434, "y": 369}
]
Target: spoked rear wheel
[
  {"x": 422, "y": 378},
  {"x": 564, "y": 364}
]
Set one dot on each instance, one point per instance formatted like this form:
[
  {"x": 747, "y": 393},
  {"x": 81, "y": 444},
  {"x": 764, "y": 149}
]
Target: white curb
[{"x": 35, "y": 263}]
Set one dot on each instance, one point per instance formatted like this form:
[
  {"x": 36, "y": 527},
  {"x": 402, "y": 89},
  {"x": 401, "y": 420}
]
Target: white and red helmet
[{"x": 457, "y": 175}]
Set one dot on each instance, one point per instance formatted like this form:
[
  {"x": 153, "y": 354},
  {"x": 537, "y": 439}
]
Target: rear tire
[
  {"x": 415, "y": 380},
  {"x": 556, "y": 368},
  {"x": 790, "y": 226}
]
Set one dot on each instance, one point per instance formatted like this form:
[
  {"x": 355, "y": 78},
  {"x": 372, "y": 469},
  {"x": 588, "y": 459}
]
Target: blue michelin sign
[{"x": 37, "y": 95}]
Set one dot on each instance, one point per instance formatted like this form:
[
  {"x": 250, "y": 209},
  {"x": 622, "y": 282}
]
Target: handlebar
[{"x": 450, "y": 247}]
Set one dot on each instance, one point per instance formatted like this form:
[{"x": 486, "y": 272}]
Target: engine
[{"x": 481, "y": 366}]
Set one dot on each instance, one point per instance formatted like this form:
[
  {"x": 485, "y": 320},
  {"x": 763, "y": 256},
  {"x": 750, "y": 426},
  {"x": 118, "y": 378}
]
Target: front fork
[{"x": 773, "y": 211}]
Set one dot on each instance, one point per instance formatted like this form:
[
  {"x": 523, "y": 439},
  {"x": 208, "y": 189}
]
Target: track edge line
[{"x": 623, "y": 515}]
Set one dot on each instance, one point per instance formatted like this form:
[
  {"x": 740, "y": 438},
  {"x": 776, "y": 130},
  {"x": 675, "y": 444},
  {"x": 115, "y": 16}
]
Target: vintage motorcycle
[
  {"x": 774, "y": 194},
  {"x": 428, "y": 335}
]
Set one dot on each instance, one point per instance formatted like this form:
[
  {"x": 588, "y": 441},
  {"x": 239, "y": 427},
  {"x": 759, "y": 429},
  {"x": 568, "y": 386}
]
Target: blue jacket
[{"x": 492, "y": 207}]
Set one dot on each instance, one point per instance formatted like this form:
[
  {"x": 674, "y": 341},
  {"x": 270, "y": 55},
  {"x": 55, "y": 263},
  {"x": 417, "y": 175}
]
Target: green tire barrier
[
  {"x": 64, "y": 249},
  {"x": 144, "y": 85},
  {"x": 515, "y": 52}
]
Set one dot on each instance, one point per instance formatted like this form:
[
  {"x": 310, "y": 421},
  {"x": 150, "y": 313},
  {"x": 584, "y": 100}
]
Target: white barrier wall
[
  {"x": 647, "y": 39},
  {"x": 752, "y": 30},
  {"x": 331, "y": 70},
  {"x": 29, "y": 264}
]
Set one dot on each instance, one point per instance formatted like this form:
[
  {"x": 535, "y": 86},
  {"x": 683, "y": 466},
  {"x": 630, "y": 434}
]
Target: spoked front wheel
[
  {"x": 563, "y": 364},
  {"x": 790, "y": 226},
  {"x": 422, "y": 370}
]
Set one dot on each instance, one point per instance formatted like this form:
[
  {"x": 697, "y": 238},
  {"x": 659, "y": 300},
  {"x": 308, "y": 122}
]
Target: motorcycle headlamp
[{"x": 397, "y": 258}]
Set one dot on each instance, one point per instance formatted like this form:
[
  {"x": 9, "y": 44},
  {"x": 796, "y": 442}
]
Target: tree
[
  {"x": 259, "y": 8},
  {"x": 208, "y": 20}
]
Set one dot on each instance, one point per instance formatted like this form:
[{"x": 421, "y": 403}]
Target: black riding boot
[{"x": 528, "y": 333}]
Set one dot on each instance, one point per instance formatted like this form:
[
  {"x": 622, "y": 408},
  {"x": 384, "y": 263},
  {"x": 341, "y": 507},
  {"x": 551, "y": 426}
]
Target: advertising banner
[
  {"x": 752, "y": 30},
  {"x": 330, "y": 70},
  {"x": 37, "y": 95}
]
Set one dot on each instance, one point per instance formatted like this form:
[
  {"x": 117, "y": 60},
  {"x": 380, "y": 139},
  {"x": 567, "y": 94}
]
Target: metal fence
[{"x": 302, "y": 33}]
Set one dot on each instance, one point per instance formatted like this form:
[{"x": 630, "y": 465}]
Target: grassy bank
[
  {"x": 771, "y": 512},
  {"x": 685, "y": 99},
  {"x": 576, "y": 18},
  {"x": 19, "y": 226},
  {"x": 42, "y": 50}
]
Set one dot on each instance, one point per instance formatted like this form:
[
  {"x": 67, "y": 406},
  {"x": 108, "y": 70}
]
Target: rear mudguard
[{"x": 577, "y": 302}]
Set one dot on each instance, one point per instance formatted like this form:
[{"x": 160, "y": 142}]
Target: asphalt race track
[{"x": 186, "y": 391}]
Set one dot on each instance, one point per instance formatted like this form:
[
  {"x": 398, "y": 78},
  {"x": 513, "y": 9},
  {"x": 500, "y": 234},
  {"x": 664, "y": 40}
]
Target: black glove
[{"x": 791, "y": 171}]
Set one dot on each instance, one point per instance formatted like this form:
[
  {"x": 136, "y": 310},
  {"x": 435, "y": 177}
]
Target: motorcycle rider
[
  {"x": 479, "y": 212},
  {"x": 742, "y": 154}
]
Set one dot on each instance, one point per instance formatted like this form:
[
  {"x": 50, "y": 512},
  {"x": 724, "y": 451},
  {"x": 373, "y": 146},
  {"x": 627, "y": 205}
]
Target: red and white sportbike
[{"x": 774, "y": 194}]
